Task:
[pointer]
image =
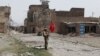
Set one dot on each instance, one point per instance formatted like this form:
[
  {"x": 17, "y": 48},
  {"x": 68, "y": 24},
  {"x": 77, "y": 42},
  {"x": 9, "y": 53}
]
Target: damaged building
[
  {"x": 66, "y": 22},
  {"x": 4, "y": 18},
  {"x": 38, "y": 16},
  {"x": 73, "y": 25},
  {"x": 69, "y": 22}
]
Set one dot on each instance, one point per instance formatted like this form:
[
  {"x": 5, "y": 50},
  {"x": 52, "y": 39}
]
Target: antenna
[{"x": 44, "y": 2}]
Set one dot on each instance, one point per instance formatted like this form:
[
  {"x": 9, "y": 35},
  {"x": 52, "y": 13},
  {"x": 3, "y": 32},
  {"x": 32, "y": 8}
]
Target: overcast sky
[{"x": 19, "y": 8}]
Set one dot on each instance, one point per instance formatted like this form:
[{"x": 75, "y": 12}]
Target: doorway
[
  {"x": 71, "y": 29},
  {"x": 33, "y": 30},
  {"x": 86, "y": 29},
  {"x": 93, "y": 29}
]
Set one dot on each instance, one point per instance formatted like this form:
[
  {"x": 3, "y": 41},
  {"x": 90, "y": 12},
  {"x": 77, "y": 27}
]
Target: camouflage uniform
[{"x": 45, "y": 35}]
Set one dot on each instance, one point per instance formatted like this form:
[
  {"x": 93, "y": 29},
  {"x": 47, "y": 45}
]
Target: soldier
[{"x": 45, "y": 35}]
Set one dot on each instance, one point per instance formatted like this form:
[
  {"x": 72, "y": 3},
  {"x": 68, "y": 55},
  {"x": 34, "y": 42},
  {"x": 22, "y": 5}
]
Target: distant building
[
  {"x": 72, "y": 25},
  {"x": 4, "y": 18}
]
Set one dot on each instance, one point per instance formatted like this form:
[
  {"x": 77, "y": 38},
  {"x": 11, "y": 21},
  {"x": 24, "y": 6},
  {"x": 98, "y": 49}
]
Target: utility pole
[
  {"x": 99, "y": 22},
  {"x": 92, "y": 14},
  {"x": 8, "y": 20}
]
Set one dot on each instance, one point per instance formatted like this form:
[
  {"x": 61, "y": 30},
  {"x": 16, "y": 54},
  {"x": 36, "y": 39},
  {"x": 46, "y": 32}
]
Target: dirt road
[{"x": 59, "y": 47}]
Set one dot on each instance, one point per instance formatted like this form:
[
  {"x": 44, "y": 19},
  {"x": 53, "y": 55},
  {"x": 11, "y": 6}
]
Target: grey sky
[{"x": 19, "y": 8}]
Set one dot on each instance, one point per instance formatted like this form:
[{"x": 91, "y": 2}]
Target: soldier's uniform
[{"x": 45, "y": 35}]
